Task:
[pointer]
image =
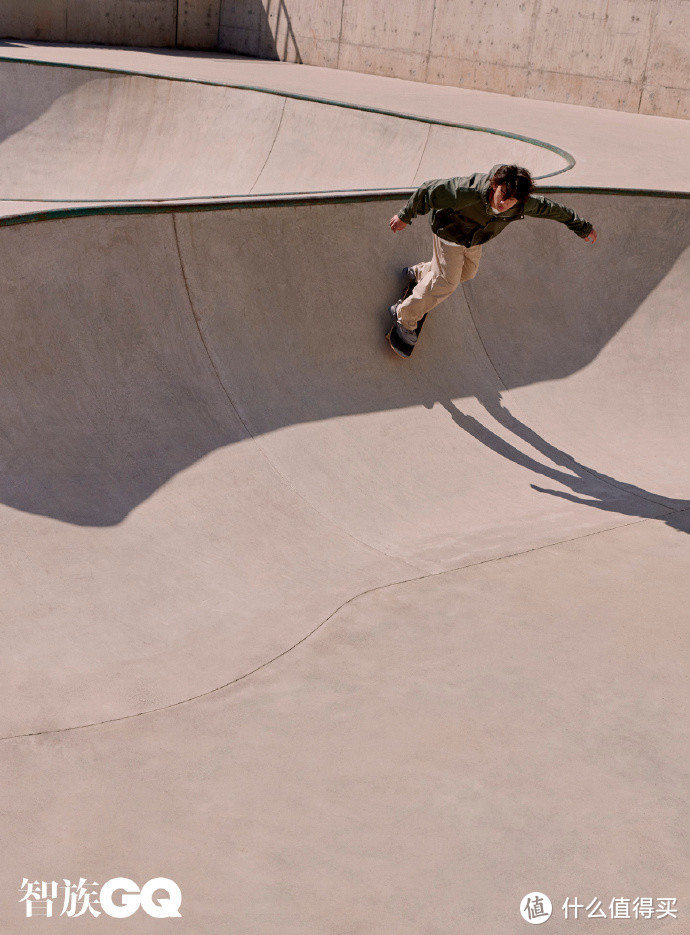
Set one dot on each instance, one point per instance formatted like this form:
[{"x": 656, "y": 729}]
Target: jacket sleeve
[
  {"x": 537, "y": 206},
  {"x": 437, "y": 194}
]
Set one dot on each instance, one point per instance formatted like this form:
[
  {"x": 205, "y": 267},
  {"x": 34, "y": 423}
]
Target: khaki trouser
[{"x": 450, "y": 265}]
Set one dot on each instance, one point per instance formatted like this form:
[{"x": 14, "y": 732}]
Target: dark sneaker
[
  {"x": 409, "y": 337},
  {"x": 408, "y": 274}
]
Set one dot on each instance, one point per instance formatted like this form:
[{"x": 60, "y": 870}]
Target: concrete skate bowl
[
  {"x": 72, "y": 134},
  {"x": 208, "y": 448}
]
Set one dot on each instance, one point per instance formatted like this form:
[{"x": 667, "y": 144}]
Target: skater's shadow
[{"x": 589, "y": 487}]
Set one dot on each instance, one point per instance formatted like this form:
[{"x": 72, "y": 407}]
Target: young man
[{"x": 466, "y": 213}]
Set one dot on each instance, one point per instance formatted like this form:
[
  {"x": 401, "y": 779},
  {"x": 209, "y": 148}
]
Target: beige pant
[{"x": 450, "y": 265}]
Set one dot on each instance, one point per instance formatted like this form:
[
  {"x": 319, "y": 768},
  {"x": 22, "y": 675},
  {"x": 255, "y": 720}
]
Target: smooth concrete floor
[{"x": 338, "y": 643}]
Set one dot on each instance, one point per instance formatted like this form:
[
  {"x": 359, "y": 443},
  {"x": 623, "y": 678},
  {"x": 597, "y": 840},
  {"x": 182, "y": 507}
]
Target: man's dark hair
[{"x": 518, "y": 182}]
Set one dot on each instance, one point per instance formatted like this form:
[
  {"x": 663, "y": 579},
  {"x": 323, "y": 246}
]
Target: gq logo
[{"x": 130, "y": 898}]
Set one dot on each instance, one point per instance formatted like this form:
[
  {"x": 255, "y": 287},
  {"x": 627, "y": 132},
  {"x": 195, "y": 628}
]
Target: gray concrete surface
[
  {"x": 151, "y": 138},
  {"x": 612, "y": 149},
  {"x": 630, "y": 56},
  {"x": 238, "y": 655}
]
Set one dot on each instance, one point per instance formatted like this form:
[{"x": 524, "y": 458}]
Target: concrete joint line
[
  {"x": 423, "y": 153},
  {"x": 652, "y": 29},
  {"x": 568, "y": 158},
  {"x": 536, "y": 13},
  {"x": 355, "y": 597},
  {"x": 431, "y": 39},
  {"x": 250, "y": 435},
  {"x": 340, "y": 33},
  {"x": 481, "y": 341},
  {"x": 270, "y": 152}
]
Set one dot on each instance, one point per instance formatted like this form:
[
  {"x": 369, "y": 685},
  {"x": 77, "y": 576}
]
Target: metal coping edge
[
  {"x": 559, "y": 151},
  {"x": 297, "y": 200}
]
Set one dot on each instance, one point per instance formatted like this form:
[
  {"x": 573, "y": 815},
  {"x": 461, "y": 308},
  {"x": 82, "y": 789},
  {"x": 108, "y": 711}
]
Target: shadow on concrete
[
  {"x": 589, "y": 486},
  {"x": 23, "y": 102},
  {"x": 260, "y": 28},
  {"x": 548, "y": 305},
  {"x": 282, "y": 32},
  {"x": 114, "y": 381}
]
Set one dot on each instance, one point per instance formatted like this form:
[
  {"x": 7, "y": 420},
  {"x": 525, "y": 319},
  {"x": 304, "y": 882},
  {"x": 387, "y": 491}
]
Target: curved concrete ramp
[
  {"x": 71, "y": 134},
  {"x": 347, "y": 639}
]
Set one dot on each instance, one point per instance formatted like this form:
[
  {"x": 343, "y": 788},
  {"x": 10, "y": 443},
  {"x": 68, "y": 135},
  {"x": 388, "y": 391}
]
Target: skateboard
[{"x": 398, "y": 346}]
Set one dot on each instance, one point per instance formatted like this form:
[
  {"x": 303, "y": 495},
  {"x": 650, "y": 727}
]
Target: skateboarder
[{"x": 466, "y": 213}]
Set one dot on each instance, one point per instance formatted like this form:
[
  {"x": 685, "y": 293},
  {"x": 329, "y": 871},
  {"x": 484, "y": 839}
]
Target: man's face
[{"x": 499, "y": 201}]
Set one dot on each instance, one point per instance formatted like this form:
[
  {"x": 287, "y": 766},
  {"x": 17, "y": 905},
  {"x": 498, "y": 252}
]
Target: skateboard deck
[{"x": 398, "y": 346}]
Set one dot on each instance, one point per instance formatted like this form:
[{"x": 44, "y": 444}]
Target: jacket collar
[{"x": 485, "y": 185}]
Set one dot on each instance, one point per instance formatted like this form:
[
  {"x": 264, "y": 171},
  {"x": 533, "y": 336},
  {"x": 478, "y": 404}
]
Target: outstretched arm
[{"x": 537, "y": 206}]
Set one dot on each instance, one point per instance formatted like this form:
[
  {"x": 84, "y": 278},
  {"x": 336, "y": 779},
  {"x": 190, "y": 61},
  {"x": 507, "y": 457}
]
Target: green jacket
[{"x": 461, "y": 213}]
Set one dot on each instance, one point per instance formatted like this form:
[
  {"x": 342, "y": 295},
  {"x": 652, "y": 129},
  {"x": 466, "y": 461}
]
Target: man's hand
[
  {"x": 591, "y": 236},
  {"x": 396, "y": 224}
]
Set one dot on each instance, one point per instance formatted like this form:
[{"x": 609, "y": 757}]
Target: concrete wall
[
  {"x": 631, "y": 55},
  {"x": 191, "y": 24},
  {"x": 627, "y": 55}
]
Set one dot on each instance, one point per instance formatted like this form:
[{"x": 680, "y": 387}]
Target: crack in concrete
[{"x": 355, "y": 597}]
